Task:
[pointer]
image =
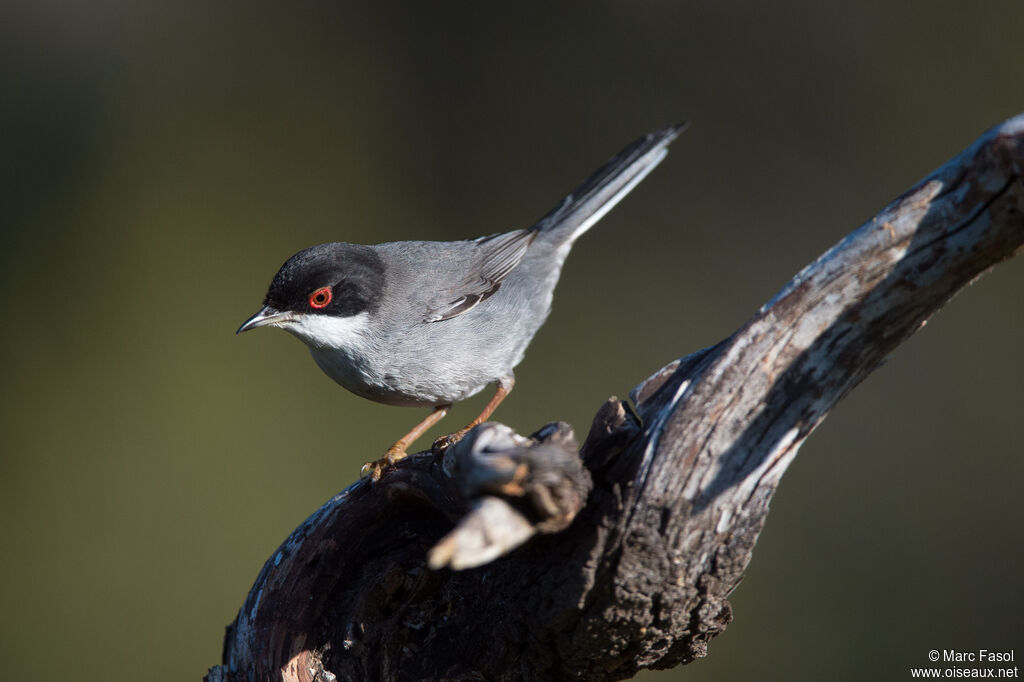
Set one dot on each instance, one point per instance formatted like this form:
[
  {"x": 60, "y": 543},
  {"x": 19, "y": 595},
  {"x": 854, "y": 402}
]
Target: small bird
[{"x": 429, "y": 323}]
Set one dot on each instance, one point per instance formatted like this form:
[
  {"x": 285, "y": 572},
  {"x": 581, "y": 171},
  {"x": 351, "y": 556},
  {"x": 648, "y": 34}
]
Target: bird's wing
[
  {"x": 496, "y": 256},
  {"x": 499, "y": 254}
]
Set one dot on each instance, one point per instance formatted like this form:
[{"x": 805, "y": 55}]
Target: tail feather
[{"x": 589, "y": 202}]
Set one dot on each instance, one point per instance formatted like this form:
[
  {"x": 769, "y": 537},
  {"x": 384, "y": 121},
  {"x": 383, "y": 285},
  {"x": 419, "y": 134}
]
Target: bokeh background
[{"x": 161, "y": 159}]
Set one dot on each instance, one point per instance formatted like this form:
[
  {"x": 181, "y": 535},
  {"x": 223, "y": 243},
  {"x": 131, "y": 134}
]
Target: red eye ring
[{"x": 320, "y": 298}]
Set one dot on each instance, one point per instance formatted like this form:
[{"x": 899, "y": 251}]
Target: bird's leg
[
  {"x": 397, "y": 451},
  {"x": 505, "y": 385}
]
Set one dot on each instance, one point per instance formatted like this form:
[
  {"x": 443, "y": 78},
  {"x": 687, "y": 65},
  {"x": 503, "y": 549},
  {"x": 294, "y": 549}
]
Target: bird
[{"x": 431, "y": 323}]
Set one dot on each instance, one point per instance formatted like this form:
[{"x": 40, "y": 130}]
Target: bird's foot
[
  {"x": 374, "y": 470},
  {"x": 445, "y": 442}
]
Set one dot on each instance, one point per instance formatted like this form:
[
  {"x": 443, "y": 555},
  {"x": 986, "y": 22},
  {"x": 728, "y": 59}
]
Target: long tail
[{"x": 601, "y": 191}]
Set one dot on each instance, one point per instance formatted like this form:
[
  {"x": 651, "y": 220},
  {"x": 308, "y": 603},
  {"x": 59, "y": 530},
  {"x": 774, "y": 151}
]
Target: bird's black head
[{"x": 330, "y": 279}]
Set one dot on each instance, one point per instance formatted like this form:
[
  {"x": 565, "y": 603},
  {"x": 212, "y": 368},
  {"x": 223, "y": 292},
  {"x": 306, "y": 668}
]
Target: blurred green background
[{"x": 160, "y": 160}]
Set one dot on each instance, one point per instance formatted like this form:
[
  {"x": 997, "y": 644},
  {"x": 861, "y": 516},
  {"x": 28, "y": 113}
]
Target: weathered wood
[
  {"x": 680, "y": 485},
  {"x": 517, "y": 487}
]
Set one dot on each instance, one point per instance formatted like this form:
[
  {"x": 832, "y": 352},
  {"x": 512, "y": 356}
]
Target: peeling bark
[{"x": 622, "y": 556}]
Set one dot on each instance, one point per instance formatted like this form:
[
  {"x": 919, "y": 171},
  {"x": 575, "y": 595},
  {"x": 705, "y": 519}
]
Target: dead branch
[{"x": 620, "y": 557}]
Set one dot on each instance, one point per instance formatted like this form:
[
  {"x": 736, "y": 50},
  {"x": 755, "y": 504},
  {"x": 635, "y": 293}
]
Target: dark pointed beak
[{"x": 267, "y": 315}]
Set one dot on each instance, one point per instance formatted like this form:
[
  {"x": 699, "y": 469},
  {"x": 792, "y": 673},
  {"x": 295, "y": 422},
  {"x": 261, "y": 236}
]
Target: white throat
[{"x": 328, "y": 331}]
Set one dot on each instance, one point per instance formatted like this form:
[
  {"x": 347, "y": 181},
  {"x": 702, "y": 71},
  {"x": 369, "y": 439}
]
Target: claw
[
  {"x": 505, "y": 385},
  {"x": 374, "y": 470},
  {"x": 445, "y": 442}
]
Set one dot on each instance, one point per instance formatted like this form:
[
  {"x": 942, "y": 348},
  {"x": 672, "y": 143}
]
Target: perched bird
[{"x": 428, "y": 324}]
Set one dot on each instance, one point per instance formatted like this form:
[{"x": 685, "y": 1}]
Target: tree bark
[{"x": 598, "y": 563}]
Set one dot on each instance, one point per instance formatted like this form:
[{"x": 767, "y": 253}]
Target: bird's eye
[{"x": 320, "y": 298}]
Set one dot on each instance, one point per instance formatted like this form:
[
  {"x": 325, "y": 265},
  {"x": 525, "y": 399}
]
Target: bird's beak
[{"x": 266, "y": 316}]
